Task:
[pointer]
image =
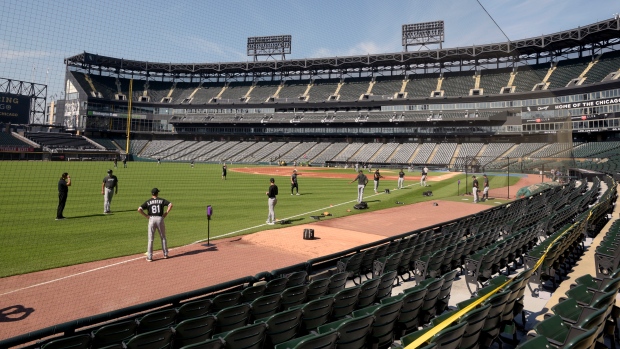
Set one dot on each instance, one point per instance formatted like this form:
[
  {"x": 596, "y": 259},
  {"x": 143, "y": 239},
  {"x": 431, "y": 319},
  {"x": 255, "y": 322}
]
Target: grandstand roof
[{"x": 606, "y": 32}]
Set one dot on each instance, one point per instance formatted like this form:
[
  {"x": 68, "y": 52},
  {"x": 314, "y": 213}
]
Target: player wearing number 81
[{"x": 154, "y": 208}]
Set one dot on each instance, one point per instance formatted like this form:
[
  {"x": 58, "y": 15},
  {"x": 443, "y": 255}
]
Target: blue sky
[{"x": 36, "y": 35}]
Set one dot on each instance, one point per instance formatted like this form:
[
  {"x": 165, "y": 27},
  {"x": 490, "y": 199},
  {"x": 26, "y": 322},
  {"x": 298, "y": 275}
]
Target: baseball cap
[
  {"x": 109, "y": 171},
  {"x": 272, "y": 180},
  {"x": 295, "y": 170},
  {"x": 154, "y": 191}
]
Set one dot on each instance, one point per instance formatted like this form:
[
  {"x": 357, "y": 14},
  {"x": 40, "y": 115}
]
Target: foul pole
[{"x": 129, "y": 116}]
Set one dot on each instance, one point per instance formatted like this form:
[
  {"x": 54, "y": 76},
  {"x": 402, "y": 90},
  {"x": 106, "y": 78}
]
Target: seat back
[
  {"x": 317, "y": 288},
  {"x": 354, "y": 332},
  {"x": 368, "y": 293},
  {"x": 231, "y": 318},
  {"x": 193, "y": 309},
  {"x": 276, "y": 285},
  {"x": 553, "y": 328},
  {"x": 337, "y": 282},
  {"x": 386, "y": 316},
  {"x": 216, "y": 343},
  {"x": 246, "y": 337},
  {"x": 387, "y": 282},
  {"x": 433, "y": 287},
  {"x": 315, "y": 341},
  {"x": 345, "y": 302},
  {"x": 283, "y": 326},
  {"x": 413, "y": 299},
  {"x": 225, "y": 300},
  {"x": 582, "y": 341},
  {"x": 450, "y": 337},
  {"x": 194, "y": 330},
  {"x": 157, "y": 320},
  {"x": 81, "y": 341},
  {"x": 293, "y": 296},
  {"x": 113, "y": 334},
  {"x": 297, "y": 278},
  {"x": 443, "y": 298},
  {"x": 158, "y": 339},
  {"x": 538, "y": 342},
  {"x": 316, "y": 312},
  {"x": 367, "y": 260},
  {"x": 475, "y": 321},
  {"x": 265, "y": 306},
  {"x": 251, "y": 293}
]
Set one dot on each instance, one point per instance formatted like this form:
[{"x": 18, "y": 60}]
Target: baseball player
[
  {"x": 272, "y": 201},
  {"x": 485, "y": 189},
  {"x": 109, "y": 187},
  {"x": 125, "y": 162},
  {"x": 423, "y": 179},
  {"x": 63, "y": 191},
  {"x": 224, "y": 168},
  {"x": 474, "y": 189},
  {"x": 294, "y": 183},
  {"x": 362, "y": 180},
  {"x": 401, "y": 178},
  {"x": 155, "y": 208},
  {"x": 376, "y": 178}
]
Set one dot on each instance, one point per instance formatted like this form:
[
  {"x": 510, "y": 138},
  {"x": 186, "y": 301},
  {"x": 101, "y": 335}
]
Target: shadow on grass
[{"x": 99, "y": 214}]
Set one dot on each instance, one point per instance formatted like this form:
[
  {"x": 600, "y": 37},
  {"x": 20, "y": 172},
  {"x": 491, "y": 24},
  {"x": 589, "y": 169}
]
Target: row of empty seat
[{"x": 525, "y": 78}]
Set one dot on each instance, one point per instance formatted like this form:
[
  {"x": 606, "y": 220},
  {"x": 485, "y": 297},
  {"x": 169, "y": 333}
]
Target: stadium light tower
[
  {"x": 422, "y": 34},
  {"x": 269, "y": 46}
]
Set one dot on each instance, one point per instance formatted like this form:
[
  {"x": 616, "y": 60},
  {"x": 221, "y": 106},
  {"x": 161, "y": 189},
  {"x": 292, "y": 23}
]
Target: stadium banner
[
  {"x": 574, "y": 105},
  {"x": 14, "y": 148},
  {"x": 14, "y": 109}
]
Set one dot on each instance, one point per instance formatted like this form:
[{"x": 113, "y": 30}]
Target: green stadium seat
[
  {"x": 293, "y": 296},
  {"x": 312, "y": 341},
  {"x": 538, "y": 342},
  {"x": 337, "y": 282},
  {"x": 81, "y": 341},
  {"x": 413, "y": 299},
  {"x": 233, "y": 317},
  {"x": 386, "y": 314},
  {"x": 226, "y": 300},
  {"x": 317, "y": 289},
  {"x": 193, "y": 309},
  {"x": 345, "y": 302},
  {"x": 157, "y": 320},
  {"x": 194, "y": 330},
  {"x": 387, "y": 282},
  {"x": 160, "y": 339},
  {"x": 246, "y": 337},
  {"x": 297, "y": 278},
  {"x": 216, "y": 343},
  {"x": 276, "y": 285},
  {"x": 316, "y": 312},
  {"x": 351, "y": 265},
  {"x": 448, "y": 338},
  {"x": 353, "y": 331},
  {"x": 368, "y": 293},
  {"x": 249, "y": 294},
  {"x": 111, "y": 334},
  {"x": 265, "y": 306},
  {"x": 283, "y": 326}
]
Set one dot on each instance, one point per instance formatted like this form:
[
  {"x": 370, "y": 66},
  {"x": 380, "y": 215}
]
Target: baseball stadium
[{"x": 275, "y": 175}]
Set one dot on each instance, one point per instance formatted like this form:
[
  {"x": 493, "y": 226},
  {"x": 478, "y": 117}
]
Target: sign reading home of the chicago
[{"x": 14, "y": 108}]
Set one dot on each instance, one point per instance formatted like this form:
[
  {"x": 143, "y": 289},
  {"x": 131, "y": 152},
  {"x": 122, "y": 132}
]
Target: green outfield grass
[{"x": 32, "y": 240}]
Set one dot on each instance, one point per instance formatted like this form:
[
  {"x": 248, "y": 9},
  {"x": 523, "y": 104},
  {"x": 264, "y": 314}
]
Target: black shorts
[{"x": 294, "y": 185}]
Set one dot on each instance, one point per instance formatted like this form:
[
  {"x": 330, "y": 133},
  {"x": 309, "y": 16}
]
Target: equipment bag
[{"x": 361, "y": 206}]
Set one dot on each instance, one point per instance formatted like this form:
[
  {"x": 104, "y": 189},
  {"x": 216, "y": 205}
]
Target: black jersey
[
  {"x": 486, "y": 182},
  {"x": 62, "y": 186},
  {"x": 377, "y": 176},
  {"x": 474, "y": 183},
  {"x": 110, "y": 181},
  {"x": 294, "y": 178},
  {"x": 155, "y": 207},
  {"x": 401, "y": 174},
  {"x": 273, "y": 191}
]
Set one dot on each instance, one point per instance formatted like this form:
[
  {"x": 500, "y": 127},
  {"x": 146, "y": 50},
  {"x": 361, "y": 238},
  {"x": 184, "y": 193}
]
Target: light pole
[{"x": 508, "y": 178}]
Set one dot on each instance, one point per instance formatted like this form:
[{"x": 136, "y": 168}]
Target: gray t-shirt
[{"x": 361, "y": 179}]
